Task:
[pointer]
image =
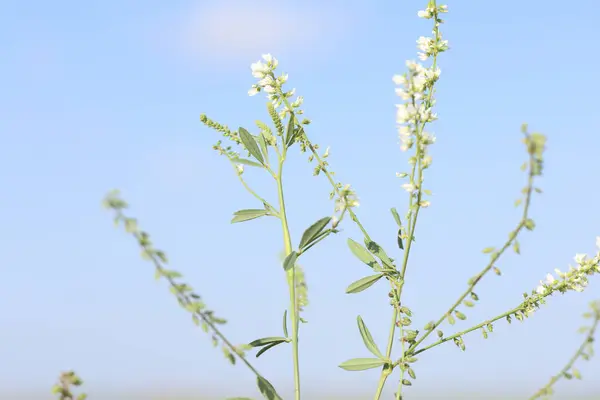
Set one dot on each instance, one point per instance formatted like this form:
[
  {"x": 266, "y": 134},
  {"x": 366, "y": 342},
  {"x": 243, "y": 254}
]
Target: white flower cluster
[
  {"x": 273, "y": 86},
  {"x": 575, "y": 279},
  {"x": 416, "y": 90},
  {"x": 347, "y": 199}
]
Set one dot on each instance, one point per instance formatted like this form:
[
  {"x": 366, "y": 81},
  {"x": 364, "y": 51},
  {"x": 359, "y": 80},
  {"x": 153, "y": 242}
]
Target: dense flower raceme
[
  {"x": 416, "y": 90},
  {"x": 575, "y": 279},
  {"x": 264, "y": 71}
]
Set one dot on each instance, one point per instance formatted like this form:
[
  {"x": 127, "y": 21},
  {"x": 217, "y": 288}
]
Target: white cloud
[{"x": 230, "y": 30}]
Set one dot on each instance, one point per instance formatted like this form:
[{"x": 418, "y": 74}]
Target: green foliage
[
  {"x": 417, "y": 87},
  {"x": 63, "y": 389}
]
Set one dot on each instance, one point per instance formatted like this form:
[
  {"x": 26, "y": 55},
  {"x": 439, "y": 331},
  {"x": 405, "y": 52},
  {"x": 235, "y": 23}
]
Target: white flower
[
  {"x": 298, "y": 102},
  {"x": 419, "y": 82},
  {"x": 427, "y": 13},
  {"x": 402, "y": 115},
  {"x": 399, "y": 80},
  {"x": 424, "y": 203},
  {"x": 426, "y": 162},
  {"x": 253, "y": 91},
  {"x": 541, "y": 289},
  {"x": 282, "y": 79},
  {"x": 334, "y": 222},
  {"x": 259, "y": 70},
  {"x": 550, "y": 279},
  {"x": 580, "y": 258},
  {"x": 424, "y": 44},
  {"x": 267, "y": 80},
  {"x": 411, "y": 65},
  {"x": 239, "y": 168},
  {"x": 402, "y": 94},
  {"x": 404, "y": 132},
  {"x": 271, "y": 61},
  {"x": 269, "y": 89},
  {"x": 432, "y": 75},
  {"x": 427, "y": 138},
  {"x": 409, "y": 187},
  {"x": 598, "y": 242}
]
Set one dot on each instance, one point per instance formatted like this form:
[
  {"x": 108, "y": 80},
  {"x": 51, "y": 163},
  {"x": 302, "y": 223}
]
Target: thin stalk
[
  {"x": 184, "y": 296},
  {"x": 291, "y": 278},
  {"x": 471, "y": 329},
  {"x": 248, "y": 188},
  {"x": 581, "y": 350},
  {"x": 317, "y": 157},
  {"x": 388, "y": 353},
  {"x": 493, "y": 259}
]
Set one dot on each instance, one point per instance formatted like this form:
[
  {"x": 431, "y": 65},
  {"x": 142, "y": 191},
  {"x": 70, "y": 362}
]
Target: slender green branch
[
  {"x": 291, "y": 278},
  {"x": 412, "y": 222},
  {"x": 185, "y": 295},
  {"x": 248, "y": 188},
  {"x": 513, "y": 236},
  {"x": 324, "y": 169},
  {"x": 471, "y": 329},
  {"x": 567, "y": 371}
]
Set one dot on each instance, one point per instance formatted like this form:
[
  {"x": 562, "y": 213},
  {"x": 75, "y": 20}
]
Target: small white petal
[{"x": 399, "y": 80}]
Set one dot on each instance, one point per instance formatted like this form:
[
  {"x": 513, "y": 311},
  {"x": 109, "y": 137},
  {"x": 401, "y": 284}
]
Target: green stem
[
  {"x": 327, "y": 173},
  {"x": 588, "y": 339},
  {"x": 291, "y": 279},
  {"x": 493, "y": 259},
  {"x": 403, "y": 345},
  {"x": 184, "y": 296},
  {"x": 385, "y": 372},
  {"x": 471, "y": 329},
  {"x": 249, "y": 189}
]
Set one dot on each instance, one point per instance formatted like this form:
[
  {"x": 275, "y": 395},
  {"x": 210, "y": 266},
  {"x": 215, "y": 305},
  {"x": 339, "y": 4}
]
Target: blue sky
[{"x": 101, "y": 95}]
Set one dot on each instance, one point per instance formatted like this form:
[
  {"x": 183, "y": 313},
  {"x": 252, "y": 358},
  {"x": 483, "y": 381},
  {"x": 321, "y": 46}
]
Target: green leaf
[
  {"x": 266, "y": 389},
  {"x": 400, "y": 244},
  {"x": 363, "y": 283},
  {"x": 460, "y": 315},
  {"x": 267, "y": 340},
  {"x": 376, "y": 249},
  {"x": 267, "y": 347},
  {"x": 290, "y": 133},
  {"x": 313, "y": 231},
  {"x": 488, "y": 250},
  {"x": 249, "y": 163},
  {"x": 250, "y": 145},
  {"x": 361, "y": 364},
  {"x": 396, "y": 217},
  {"x": 262, "y": 142},
  {"x": 290, "y": 261},
  {"x": 247, "y": 215},
  {"x": 362, "y": 254},
  {"x": 530, "y": 224},
  {"x": 451, "y": 319},
  {"x": 285, "y": 331},
  {"x": 368, "y": 339}
]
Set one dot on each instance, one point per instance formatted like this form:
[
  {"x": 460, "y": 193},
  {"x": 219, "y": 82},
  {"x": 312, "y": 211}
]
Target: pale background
[{"x": 104, "y": 94}]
